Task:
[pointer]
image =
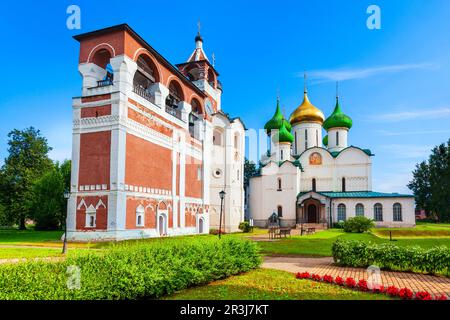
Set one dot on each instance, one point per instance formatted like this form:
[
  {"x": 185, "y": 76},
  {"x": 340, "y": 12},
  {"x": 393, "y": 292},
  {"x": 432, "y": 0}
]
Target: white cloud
[
  {"x": 408, "y": 133},
  {"x": 343, "y": 74},
  {"x": 437, "y": 113},
  {"x": 403, "y": 151}
]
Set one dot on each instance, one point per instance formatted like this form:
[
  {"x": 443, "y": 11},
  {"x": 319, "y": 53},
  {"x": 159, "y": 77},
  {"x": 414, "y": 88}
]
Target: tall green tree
[
  {"x": 249, "y": 171},
  {"x": 27, "y": 161},
  {"x": 431, "y": 183},
  {"x": 421, "y": 187},
  {"x": 49, "y": 204}
]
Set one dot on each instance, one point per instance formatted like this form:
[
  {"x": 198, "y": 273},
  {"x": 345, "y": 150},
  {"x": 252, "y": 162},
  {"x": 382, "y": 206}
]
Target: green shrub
[
  {"x": 338, "y": 225},
  {"x": 132, "y": 271},
  {"x": 361, "y": 254},
  {"x": 245, "y": 226},
  {"x": 358, "y": 224}
]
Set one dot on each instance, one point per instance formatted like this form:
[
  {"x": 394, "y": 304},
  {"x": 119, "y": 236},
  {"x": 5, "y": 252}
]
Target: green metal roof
[
  {"x": 283, "y": 135},
  {"x": 359, "y": 194},
  {"x": 325, "y": 140},
  {"x": 296, "y": 163},
  {"x": 277, "y": 120},
  {"x": 337, "y": 119}
]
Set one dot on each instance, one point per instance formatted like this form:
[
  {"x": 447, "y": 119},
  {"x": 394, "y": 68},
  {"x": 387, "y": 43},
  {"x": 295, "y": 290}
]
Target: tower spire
[
  {"x": 337, "y": 90},
  {"x": 305, "y": 87}
]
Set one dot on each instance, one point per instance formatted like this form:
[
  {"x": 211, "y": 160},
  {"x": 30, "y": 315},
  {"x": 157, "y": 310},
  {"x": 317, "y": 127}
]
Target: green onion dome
[
  {"x": 277, "y": 120},
  {"x": 325, "y": 140},
  {"x": 337, "y": 119},
  {"x": 283, "y": 135}
]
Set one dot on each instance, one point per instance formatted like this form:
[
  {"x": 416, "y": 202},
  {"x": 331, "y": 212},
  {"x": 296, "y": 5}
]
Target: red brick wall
[
  {"x": 147, "y": 164},
  {"x": 193, "y": 184},
  {"x": 98, "y": 111},
  {"x": 95, "y": 152},
  {"x": 150, "y": 212}
]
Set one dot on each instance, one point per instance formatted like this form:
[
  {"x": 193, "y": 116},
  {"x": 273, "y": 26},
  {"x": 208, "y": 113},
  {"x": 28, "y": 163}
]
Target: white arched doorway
[
  {"x": 201, "y": 225},
  {"x": 162, "y": 223}
]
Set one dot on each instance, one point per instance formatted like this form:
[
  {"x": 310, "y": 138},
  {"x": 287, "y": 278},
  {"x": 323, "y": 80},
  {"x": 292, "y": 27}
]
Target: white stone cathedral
[{"x": 309, "y": 180}]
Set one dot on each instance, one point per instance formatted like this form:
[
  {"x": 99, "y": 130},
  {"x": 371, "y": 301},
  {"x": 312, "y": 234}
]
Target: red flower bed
[
  {"x": 392, "y": 291},
  {"x": 423, "y": 295},
  {"x": 350, "y": 282},
  {"x": 441, "y": 297},
  {"x": 316, "y": 277},
  {"x": 405, "y": 293},
  {"x": 339, "y": 281},
  {"x": 362, "y": 285}
]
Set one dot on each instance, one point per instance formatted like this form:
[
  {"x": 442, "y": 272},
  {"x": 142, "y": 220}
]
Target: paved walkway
[{"x": 324, "y": 266}]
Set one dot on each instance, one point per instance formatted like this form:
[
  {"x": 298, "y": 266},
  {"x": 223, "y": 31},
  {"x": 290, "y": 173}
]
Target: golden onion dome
[{"x": 306, "y": 112}]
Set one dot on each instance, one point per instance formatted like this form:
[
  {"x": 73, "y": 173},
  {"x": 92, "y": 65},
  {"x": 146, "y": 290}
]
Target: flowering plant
[
  {"x": 327, "y": 278},
  {"x": 303, "y": 275},
  {"x": 339, "y": 281},
  {"x": 405, "y": 293},
  {"x": 350, "y": 282},
  {"x": 423, "y": 295},
  {"x": 362, "y": 285},
  {"x": 441, "y": 297},
  {"x": 316, "y": 277},
  {"x": 392, "y": 291}
]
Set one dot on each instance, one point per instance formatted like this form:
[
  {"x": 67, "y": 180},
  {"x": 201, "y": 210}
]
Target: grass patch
[
  {"x": 28, "y": 253},
  {"x": 267, "y": 284},
  {"x": 15, "y": 237},
  {"x": 422, "y": 230},
  {"x": 319, "y": 244}
]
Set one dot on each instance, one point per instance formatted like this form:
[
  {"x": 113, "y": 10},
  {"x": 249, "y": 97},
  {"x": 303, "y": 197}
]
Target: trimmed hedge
[
  {"x": 131, "y": 271},
  {"x": 362, "y": 254}
]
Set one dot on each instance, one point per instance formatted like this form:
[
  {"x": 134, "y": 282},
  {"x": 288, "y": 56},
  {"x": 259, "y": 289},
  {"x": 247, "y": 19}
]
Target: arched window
[
  {"x": 217, "y": 137},
  {"x": 317, "y": 137},
  {"x": 295, "y": 142},
  {"x": 378, "y": 212},
  {"x": 279, "y": 184},
  {"x": 175, "y": 95},
  {"x": 194, "y": 116},
  {"x": 306, "y": 138},
  {"x": 314, "y": 184},
  {"x": 359, "y": 210},
  {"x": 236, "y": 140},
  {"x": 343, "y": 184},
  {"x": 140, "y": 216},
  {"x": 280, "y": 211},
  {"x": 281, "y": 154},
  {"x": 101, "y": 58},
  {"x": 337, "y": 138},
  {"x": 211, "y": 78},
  {"x": 341, "y": 214},
  {"x": 91, "y": 217},
  {"x": 397, "y": 211},
  {"x": 146, "y": 74}
]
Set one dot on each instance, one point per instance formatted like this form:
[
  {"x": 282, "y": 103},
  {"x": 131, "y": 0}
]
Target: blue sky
[{"x": 394, "y": 81}]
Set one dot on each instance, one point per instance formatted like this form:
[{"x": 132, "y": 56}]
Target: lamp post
[
  {"x": 222, "y": 196},
  {"x": 66, "y": 196}
]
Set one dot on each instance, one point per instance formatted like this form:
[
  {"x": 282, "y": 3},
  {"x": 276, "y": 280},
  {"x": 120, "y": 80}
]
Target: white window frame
[
  {"x": 140, "y": 212},
  {"x": 91, "y": 212}
]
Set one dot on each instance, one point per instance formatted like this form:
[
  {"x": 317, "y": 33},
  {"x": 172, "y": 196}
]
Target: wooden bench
[{"x": 285, "y": 232}]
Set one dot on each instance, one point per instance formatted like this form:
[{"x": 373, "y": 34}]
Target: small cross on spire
[
  {"x": 305, "y": 89},
  {"x": 198, "y": 26},
  {"x": 337, "y": 89}
]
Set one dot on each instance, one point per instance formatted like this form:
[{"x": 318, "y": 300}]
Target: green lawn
[
  {"x": 14, "y": 237},
  {"x": 267, "y": 284},
  {"x": 320, "y": 243},
  {"x": 13, "y": 253},
  {"x": 422, "y": 230}
]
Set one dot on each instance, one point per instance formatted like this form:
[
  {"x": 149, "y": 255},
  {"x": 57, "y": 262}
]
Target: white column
[
  {"x": 182, "y": 179},
  {"x": 124, "y": 69},
  {"x": 91, "y": 73},
  {"x": 174, "y": 182}
]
